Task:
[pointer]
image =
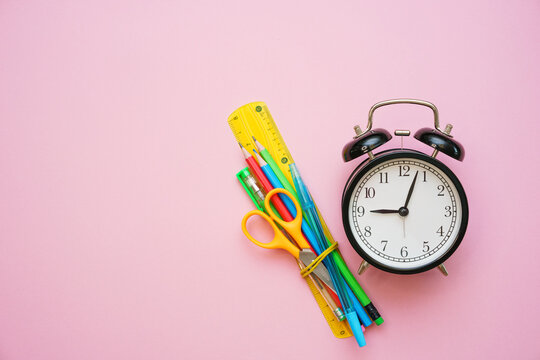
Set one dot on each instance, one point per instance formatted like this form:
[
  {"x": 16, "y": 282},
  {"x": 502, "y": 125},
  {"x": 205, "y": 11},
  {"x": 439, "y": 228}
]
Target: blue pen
[
  {"x": 306, "y": 229},
  {"x": 308, "y": 206}
]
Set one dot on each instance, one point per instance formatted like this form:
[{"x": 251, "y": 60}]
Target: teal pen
[
  {"x": 306, "y": 229},
  {"x": 308, "y": 206}
]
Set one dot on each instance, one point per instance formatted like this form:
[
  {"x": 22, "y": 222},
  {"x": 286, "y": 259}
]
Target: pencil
[
  {"x": 274, "y": 181},
  {"x": 267, "y": 186},
  {"x": 270, "y": 160}
]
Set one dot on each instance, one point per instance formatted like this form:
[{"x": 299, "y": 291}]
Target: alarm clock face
[{"x": 404, "y": 212}]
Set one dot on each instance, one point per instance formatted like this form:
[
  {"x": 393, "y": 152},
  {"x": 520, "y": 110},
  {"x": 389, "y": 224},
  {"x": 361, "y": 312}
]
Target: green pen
[{"x": 340, "y": 262}]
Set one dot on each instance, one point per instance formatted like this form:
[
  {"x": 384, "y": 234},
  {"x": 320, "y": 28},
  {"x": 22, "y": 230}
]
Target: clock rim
[{"x": 368, "y": 165}]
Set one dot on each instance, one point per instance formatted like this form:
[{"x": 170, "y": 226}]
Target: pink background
[{"x": 120, "y": 213}]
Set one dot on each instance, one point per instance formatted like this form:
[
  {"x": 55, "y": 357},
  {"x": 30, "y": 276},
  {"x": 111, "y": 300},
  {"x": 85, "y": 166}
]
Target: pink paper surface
[{"x": 120, "y": 214}]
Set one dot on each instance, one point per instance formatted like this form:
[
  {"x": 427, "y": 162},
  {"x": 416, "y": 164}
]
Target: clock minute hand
[
  {"x": 385, "y": 211},
  {"x": 411, "y": 190}
]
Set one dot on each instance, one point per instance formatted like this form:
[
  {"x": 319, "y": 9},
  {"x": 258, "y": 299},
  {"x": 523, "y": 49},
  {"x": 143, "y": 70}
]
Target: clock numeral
[
  {"x": 361, "y": 211},
  {"x": 384, "y": 245},
  {"x": 404, "y": 251},
  {"x": 441, "y": 190},
  {"x": 404, "y": 170},
  {"x": 424, "y": 176},
  {"x": 440, "y": 231},
  {"x": 367, "y": 231},
  {"x": 370, "y": 192},
  {"x": 448, "y": 210},
  {"x": 425, "y": 248},
  {"x": 383, "y": 178}
]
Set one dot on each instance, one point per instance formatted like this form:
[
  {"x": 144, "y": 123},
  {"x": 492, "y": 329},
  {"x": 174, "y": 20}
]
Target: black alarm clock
[{"x": 404, "y": 211}]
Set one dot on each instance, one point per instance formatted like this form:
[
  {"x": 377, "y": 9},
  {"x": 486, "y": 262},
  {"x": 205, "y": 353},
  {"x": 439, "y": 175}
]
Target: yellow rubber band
[{"x": 309, "y": 269}]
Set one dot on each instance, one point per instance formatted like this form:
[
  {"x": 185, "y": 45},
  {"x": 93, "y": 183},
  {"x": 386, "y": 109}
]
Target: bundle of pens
[{"x": 298, "y": 226}]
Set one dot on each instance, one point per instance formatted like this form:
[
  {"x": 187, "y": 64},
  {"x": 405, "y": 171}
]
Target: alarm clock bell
[
  {"x": 365, "y": 144},
  {"x": 441, "y": 141}
]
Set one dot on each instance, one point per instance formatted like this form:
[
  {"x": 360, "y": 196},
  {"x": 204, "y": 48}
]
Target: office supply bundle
[{"x": 281, "y": 197}]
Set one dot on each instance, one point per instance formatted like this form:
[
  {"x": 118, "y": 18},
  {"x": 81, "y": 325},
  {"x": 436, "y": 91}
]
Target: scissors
[{"x": 282, "y": 237}]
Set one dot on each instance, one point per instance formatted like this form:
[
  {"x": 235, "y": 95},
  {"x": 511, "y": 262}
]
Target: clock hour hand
[{"x": 385, "y": 211}]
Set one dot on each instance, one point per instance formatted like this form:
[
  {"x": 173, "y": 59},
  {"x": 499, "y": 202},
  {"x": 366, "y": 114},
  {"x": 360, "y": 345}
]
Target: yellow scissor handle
[
  {"x": 294, "y": 227},
  {"x": 279, "y": 241}
]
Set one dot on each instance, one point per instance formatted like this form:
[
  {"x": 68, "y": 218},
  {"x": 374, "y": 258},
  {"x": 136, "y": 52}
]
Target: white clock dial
[{"x": 405, "y": 239}]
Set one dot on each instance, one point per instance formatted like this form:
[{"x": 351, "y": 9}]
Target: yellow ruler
[{"x": 254, "y": 119}]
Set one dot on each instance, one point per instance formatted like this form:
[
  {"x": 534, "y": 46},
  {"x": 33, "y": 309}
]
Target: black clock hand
[
  {"x": 385, "y": 211},
  {"x": 411, "y": 190}
]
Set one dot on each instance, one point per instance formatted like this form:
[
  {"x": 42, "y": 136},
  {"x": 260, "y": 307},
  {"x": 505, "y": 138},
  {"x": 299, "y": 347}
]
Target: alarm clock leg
[
  {"x": 442, "y": 268},
  {"x": 363, "y": 266}
]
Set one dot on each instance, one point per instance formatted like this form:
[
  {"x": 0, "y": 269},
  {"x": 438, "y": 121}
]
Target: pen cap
[
  {"x": 303, "y": 194},
  {"x": 356, "y": 328}
]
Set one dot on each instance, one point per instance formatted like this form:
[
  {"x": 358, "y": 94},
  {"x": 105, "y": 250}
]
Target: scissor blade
[{"x": 307, "y": 256}]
